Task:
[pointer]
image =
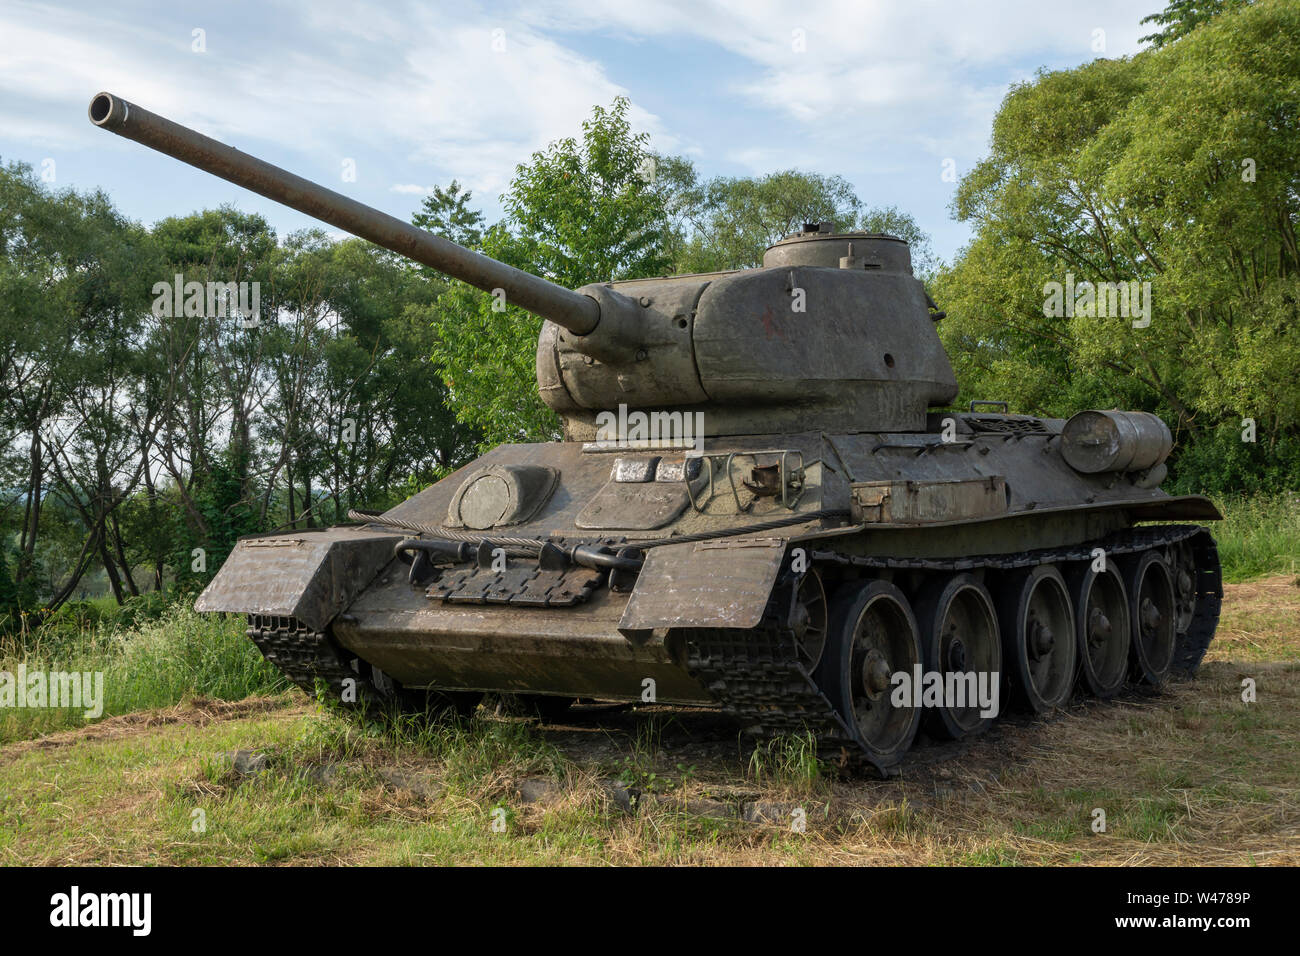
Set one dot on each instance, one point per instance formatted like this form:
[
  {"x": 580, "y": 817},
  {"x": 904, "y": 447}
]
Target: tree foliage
[
  {"x": 1179, "y": 167},
  {"x": 582, "y": 210},
  {"x": 1181, "y": 17},
  {"x": 135, "y": 433}
]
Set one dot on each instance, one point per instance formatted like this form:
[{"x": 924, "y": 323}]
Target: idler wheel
[
  {"x": 872, "y": 635},
  {"x": 959, "y": 635},
  {"x": 1151, "y": 602},
  {"x": 809, "y": 618},
  {"x": 1038, "y": 637},
  {"x": 1103, "y": 627},
  {"x": 1182, "y": 566}
]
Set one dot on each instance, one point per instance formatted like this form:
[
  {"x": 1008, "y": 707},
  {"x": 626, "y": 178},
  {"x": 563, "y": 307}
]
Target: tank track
[
  {"x": 308, "y": 658},
  {"x": 758, "y": 679},
  {"x": 318, "y": 664}
]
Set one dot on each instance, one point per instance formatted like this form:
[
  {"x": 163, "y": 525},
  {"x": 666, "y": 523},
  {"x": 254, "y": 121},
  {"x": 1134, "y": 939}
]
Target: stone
[
  {"x": 625, "y": 798},
  {"x": 246, "y": 763},
  {"x": 323, "y": 774},
  {"x": 771, "y": 811},
  {"x": 421, "y": 784},
  {"x": 537, "y": 790}
]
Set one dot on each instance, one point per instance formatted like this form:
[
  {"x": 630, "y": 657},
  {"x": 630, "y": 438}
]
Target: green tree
[
  {"x": 1179, "y": 168},
  {"x": 728, "y": 222},
  {"x": 71, "y": 315},
  {"x": 583, "y": 210},
  {"x": 446, "y": 211},
  {"x": 1181, "y": 17}
]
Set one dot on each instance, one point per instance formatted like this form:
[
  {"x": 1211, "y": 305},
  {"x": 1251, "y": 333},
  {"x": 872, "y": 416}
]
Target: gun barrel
[{"x": 574, "y": 311}]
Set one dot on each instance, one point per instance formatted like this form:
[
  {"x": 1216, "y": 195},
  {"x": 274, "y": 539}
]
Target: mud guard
[
  {"x": 308, "y": 575},
  {"x": 723, "y": 583}
]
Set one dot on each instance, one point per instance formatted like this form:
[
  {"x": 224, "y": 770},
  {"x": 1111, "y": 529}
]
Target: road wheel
[
  {"x": 1038, "y": 640},
  {"x": 1151, "y": 602},
  {"x": 1103, "y": 626},
  {"x": 872, "y": 635},
  {"x": 959, "y": 635}
]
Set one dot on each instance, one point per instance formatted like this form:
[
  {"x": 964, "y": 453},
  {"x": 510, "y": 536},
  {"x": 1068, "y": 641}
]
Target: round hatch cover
[{"x": 501, "y": 495}]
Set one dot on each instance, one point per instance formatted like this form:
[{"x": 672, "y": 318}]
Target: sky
[{"x": 405, "y": 95}]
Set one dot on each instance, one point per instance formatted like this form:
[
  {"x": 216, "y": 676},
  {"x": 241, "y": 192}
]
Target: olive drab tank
[{"x": 758, "y": 502}]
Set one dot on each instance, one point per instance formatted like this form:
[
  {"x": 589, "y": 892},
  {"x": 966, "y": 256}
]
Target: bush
[
  {"x": 1221, "y": 464},
  {"x": 1258, "y": 536}
]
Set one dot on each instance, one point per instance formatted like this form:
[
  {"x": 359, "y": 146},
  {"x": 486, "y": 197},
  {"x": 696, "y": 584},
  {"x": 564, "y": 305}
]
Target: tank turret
[{"x": 831, "y": 328}]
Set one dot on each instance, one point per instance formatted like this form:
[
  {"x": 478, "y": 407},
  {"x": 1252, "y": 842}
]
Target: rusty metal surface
[
  {"x": 1097, "y": 441},
  {"x": 708, "y": 584},
  {"x": 310, "y": 576},
  {"x": 520, "y": 491},
  {"x": 638, "y": 507},
  {"x": 576, "y": 650},
  {"x": 914, "y": 502},
  {"x": 1041, "y": 485}
]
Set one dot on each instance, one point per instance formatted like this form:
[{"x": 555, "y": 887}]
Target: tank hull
[{"x": 949, "y": 505}]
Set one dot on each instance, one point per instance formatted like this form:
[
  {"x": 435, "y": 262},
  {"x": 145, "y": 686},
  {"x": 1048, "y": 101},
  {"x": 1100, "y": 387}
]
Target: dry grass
[{"x": 1260, "y": 621}]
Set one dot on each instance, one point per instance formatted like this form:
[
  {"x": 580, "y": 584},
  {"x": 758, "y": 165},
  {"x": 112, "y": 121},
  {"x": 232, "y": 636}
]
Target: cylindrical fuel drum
[{"x": 1095, "y": 441}]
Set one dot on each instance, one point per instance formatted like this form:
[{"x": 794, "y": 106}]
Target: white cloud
[
  {"x": 878, "y": 71},
  {"x": 422, "y": 80},
  {"x": 415, "y": 89}
]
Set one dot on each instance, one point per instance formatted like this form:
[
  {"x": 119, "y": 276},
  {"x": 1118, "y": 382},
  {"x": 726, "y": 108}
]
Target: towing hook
[
  {"x": 407, "y": 549},
  {"x": 598, "y": 556},
  {"x": 553, "y": 556}
]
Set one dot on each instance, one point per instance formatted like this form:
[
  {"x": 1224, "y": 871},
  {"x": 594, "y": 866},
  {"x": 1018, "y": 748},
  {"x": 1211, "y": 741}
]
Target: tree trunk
[
  {"x": 121, "y": 558},
  {"x": 32, "y": 516},
  {"x": 107, "y": 560}
]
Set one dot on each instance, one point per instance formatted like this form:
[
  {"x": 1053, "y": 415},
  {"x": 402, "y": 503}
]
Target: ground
[{"x": 1193, "y": 775}]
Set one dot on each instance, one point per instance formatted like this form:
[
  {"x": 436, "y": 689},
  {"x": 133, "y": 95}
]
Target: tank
[{"x": 760, "y": 501}]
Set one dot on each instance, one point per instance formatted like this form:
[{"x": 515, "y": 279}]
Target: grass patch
[
  {"x": 1183, "y": 779},
  {"x": 1259, "y": 536},
  {"x": 156, "y": 664},
  {"x": 1260, "y": 621},
  {"x": 789, "y": 763}
]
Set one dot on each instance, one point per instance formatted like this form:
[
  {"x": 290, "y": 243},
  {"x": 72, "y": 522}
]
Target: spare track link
[{"x": 758, "y": 679}]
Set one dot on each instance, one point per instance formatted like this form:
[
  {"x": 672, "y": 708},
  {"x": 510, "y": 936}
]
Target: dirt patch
[{"x": 198, "y": 712}]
